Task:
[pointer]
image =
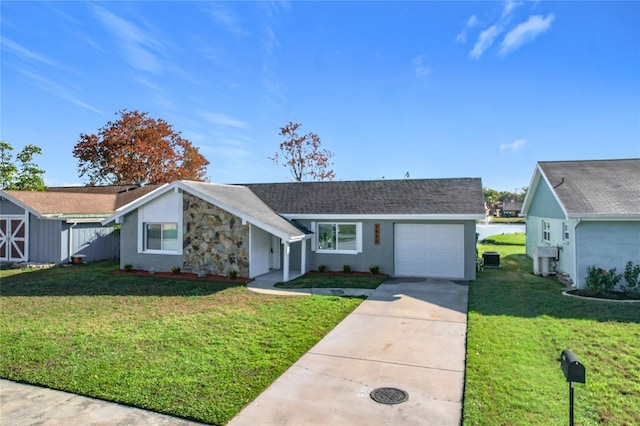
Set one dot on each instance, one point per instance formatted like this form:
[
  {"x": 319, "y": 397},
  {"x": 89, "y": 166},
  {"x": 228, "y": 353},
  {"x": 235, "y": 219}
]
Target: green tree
[
  {"x": 8, "y": 170},
  {"x": 25, "y": 175},
  {"x": 490, "y": 196}
]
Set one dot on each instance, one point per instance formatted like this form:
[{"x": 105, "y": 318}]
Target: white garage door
[{"x": 429, "y": 250}]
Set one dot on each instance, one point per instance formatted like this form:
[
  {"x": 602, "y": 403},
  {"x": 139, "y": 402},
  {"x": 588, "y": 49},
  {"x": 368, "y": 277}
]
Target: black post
[{"x": 570, "y": 403}]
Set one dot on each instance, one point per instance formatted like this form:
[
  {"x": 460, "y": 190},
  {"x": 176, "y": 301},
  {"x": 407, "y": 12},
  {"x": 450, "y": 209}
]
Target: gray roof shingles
[
  {"x": 376, "y": 197},
  {"x": 596, "y": 187}
]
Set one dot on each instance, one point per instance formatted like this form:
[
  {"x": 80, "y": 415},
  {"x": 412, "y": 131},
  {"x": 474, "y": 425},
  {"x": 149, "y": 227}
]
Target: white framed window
[
  {"x": 546, "y": 231},
  {"x": 565, "y": 231},
  {"x": 161, "y": 237},
  {"x": 339, "y": 237}
]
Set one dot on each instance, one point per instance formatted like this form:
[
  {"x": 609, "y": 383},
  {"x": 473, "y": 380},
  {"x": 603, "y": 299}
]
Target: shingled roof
[
  {"x": 124, "y": 193},
  {"x": 45, "y": 203},
  {"x": 460, "y": 196},
  {"x": 595, "y": 187},
  {"x": 75, "y": 201}
]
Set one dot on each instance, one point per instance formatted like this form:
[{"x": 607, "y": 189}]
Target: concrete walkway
[
  {"x": 22, "y": 405},
  {"x": 408, "y": 334}
]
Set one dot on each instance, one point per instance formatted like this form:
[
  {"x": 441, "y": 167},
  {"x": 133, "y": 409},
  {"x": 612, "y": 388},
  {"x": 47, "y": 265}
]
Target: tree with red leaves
[
  {"x": 304, "y": 155},
  {"x": 137, "y": 149}
]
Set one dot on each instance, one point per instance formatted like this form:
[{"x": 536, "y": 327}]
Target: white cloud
[
  {"x": 135, "y": 42},
  {"x": 58, "y": 90},
  {"x": 525, "y": 32},
  {"x": 27, "y": 54},
  {"x": 227, "y": 20},
  {"x": 485, "y": 40},
  {"x": 471, "y": 22},
  {"x": 509, "y": 6},
  {"x": 514, "y": 146},
  {"x": 419, "y": 67},
  {"x": 223, "y": 120}
]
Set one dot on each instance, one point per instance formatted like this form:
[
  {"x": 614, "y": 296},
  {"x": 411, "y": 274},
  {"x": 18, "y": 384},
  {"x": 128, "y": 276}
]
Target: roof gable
[
  {"x": 239, "y": 200},
  {"x": 594, "y": 188}
]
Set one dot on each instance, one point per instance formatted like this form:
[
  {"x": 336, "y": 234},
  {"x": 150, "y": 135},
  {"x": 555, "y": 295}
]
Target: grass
[
  {"x": 518, "y": 326},
  {"x": 514, "y": 239},
  {"x": 494, "y": 219},
  {"x": 200, "y": 350},
  {"x": 330, "y": 280}
]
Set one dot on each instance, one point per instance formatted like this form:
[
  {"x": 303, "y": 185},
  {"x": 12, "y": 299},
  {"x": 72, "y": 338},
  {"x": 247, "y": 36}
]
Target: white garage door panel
[{"x": 429, "y": 250}]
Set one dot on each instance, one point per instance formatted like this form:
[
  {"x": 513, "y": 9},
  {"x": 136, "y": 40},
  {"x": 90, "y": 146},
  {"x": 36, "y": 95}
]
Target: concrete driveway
[{"x": 406, "y": 335}]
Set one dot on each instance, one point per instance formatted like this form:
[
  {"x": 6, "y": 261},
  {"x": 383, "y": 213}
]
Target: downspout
[
  {"x": 575, "y": 252},
  {"x": 70, "y": 243}
]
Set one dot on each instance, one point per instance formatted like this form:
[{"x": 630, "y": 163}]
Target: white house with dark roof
[
  {"x": 581, "y": 214},
  {"x": 417, "y": 227}
]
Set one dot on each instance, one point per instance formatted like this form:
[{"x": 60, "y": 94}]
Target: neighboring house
[
  {"x": 511, "y": 208},
  {"x": 53, "y": 225},
  {"x": 581, "y": 214},
  {"x": 407, "y": 227}
]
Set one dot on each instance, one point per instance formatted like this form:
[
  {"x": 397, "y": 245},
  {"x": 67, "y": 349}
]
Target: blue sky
[{"x": 436, "y": 89}]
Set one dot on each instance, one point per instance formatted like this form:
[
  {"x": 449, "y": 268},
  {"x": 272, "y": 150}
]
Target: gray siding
[
  {"x": 129, "y": 249},
  {"x": 49, "y": 241},
  {"x": 8, "y": 208},
  {"x": 380, "y": 254},
  {"x": 92, "y": 240},
  {"x": 46, "y": 241},
  {"x": 606, "y": 245}
]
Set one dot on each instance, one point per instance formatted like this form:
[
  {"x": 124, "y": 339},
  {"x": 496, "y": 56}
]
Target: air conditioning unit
[{"x": 542, "y": 260}]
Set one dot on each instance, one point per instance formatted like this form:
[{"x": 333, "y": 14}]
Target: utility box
[
  {"x": 491, "y": 259},
  {"x": 542, "y": 260},
  {"x": 572, "y": 368}
]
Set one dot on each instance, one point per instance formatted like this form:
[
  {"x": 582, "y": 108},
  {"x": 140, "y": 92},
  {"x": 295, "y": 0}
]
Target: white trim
[{"x": 314, "y": 237}]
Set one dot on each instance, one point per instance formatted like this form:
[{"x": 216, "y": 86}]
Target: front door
[{"x": 13, "y": 238}]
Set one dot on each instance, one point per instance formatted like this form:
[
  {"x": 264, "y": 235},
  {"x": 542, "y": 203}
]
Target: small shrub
[
  {"x": 127, "y": 267},
  {"x": 175, "y": 269},
  {"x": 631, "y": 274},
  {"x": 602, "y": 281},
  {"x": 322, "y": 268},
  {"x": 346, "y": 269},
  {"x": 374, "y": 269},
  {"x": 233, "y": 274}
]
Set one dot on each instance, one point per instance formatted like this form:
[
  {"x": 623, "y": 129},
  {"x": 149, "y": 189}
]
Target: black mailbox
[{"x": 572, "y": 368}]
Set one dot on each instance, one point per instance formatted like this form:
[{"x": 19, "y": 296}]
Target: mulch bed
[
  {"x": 346, "y": 274},
  {"x": 180, "y": 276},
  {"x": 613, "y": 295}
]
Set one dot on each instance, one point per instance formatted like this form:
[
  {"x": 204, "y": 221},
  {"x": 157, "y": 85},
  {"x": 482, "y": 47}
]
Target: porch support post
[
  {"x": 303, "y": 256},
  {"x": 285, "y": 272}
]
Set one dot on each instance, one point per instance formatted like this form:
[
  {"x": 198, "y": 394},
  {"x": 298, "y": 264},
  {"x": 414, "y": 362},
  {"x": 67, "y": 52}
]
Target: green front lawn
[
  {"x": 196, "y": 349},
  {"x": 518, "y": 326}
]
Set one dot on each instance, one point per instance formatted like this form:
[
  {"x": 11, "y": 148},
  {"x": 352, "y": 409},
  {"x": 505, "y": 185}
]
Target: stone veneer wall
[{"x": 215, "y": 241}]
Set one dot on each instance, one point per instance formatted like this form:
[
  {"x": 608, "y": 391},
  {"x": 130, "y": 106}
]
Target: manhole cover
[{"x": 389, "y": 395}]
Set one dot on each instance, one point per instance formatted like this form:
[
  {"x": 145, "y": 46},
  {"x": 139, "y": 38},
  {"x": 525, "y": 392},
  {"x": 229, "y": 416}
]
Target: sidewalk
[{"x": 22, "y": 405}]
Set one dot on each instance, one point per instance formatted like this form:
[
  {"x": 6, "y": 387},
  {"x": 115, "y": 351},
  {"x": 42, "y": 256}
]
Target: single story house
[
  {"x": 511, "y": 208},
  {"x": 583, "y": 213},
  {"x": 412, "y": 227},
  {"x": 53, "y": 225}
]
